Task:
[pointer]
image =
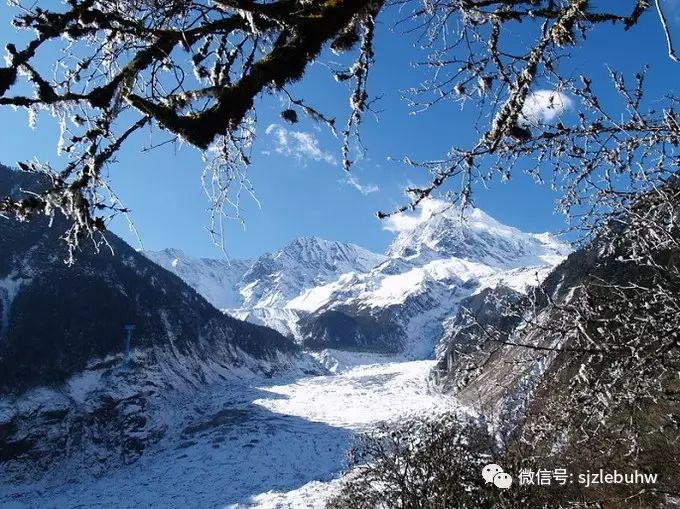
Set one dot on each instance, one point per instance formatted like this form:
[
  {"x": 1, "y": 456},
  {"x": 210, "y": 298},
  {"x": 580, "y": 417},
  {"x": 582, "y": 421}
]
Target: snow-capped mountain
[
  {"x": 443, "y": 231},
  {"x": 329, "y": 294},
  {"x": 439, "y": 257},
  {"x": 273, "y": 279},
  {"x": 276, "y": 278}
]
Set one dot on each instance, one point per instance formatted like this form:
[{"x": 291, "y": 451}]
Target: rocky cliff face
[
  {"x": 489, "y": 313},
  {"x": 581, "y": 373},
  {"x": 478, "y": 359}
]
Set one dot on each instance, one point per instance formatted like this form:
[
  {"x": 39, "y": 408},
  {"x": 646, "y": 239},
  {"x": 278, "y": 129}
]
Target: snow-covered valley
[
  {"x": 252, "y": 441},
  {"x": 215, "y": 412}
]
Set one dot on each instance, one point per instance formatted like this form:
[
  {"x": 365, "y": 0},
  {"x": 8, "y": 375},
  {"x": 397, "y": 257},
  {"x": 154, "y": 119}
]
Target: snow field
[{"x": 253, "y": 443}]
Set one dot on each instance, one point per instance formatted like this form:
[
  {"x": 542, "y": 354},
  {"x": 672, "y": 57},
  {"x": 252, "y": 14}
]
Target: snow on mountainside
[
  {"x": 439, "y": 257},
  {"x": 333, "y": 295},
  {"x": 215, "y": 279},
  {"x": 273, "y": 279},
  {"x": 306, "y": 262},
  {"x": 441, "y": 230}
]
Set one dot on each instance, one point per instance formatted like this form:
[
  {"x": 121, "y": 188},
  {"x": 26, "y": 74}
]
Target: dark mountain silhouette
[{"x": 56, "y": 318}]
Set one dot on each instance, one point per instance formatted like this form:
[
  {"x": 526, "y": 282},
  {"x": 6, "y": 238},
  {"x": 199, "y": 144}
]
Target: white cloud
[
  {"x": 544, "y": 106},
  {"x": 299, "y": 144},
  {"x": 364, "y": 189},
  {"x": 407, "y": 221}
]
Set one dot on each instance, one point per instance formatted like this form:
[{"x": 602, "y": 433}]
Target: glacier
[{"x": 249, "y": 441}]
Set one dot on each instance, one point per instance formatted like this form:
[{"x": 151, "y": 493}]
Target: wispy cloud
[
  {"x": 544, "y": 106},
  {"x": 364, "y": 189},
  {"x": 299, "y": 144}
]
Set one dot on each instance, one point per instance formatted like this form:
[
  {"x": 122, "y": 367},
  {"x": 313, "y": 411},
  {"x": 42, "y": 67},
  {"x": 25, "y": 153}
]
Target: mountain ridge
[{"x": 314, "y": 288}]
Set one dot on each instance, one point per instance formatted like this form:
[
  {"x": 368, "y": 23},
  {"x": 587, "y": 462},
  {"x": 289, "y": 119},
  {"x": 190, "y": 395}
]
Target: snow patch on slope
[{"x": 9, "y": 289}]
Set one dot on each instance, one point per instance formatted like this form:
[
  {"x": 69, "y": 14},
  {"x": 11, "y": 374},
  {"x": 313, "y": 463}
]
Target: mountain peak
[
  {"x": 315, "y": 242},
  {"x": 316, "y": 252},
  {"x": 306, "y": 242},
  {"x": 305, "y": 262},
  {"x": 442, "y": 230},
  {"x": 171, "y": 256}
]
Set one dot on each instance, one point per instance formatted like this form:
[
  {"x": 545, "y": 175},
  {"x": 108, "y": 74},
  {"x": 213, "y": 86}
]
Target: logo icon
[{"x": 493, "y": 473}]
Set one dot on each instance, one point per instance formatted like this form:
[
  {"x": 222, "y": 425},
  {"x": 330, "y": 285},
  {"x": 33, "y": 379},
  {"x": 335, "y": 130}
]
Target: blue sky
[{"x": 297, "y": 178}]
